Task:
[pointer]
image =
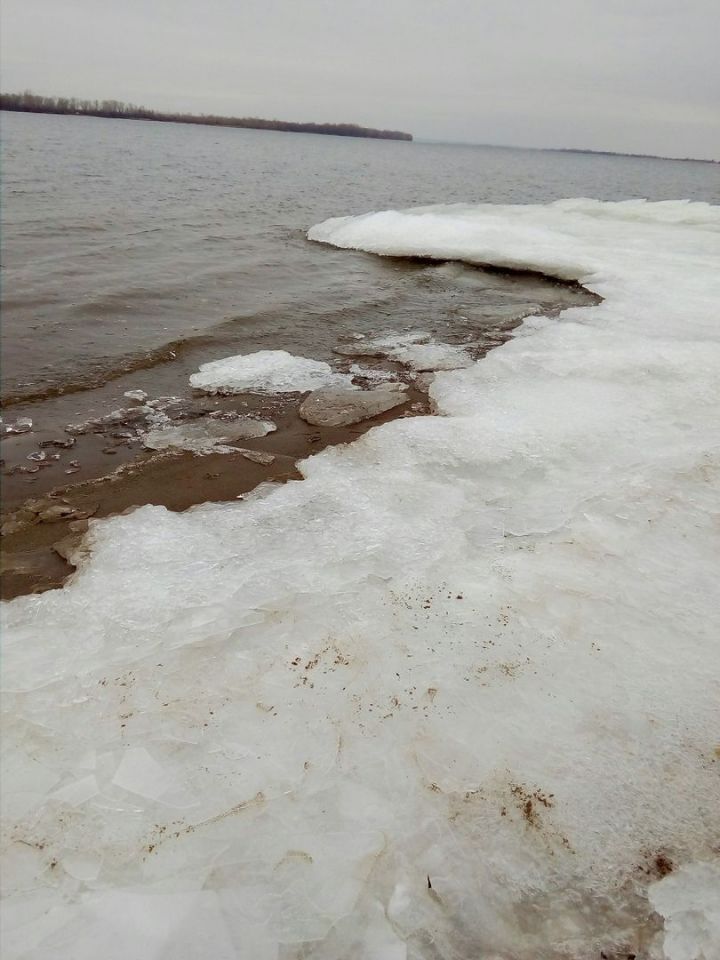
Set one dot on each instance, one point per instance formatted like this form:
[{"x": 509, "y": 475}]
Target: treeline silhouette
[{"x": 29, "y": 102}]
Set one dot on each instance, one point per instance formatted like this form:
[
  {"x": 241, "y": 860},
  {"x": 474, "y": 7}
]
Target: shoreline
[
  {"x": 111, "y": 474},
  {"x": 115, "y": 110},
  {"x": 175, "y": 479},
  {"x": 196, "y": 346}
]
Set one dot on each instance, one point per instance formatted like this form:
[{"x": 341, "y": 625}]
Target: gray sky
[{"x": 630, "y": 75}]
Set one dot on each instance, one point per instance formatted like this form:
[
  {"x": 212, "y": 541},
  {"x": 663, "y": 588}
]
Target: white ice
[
  {"x": 268, "y": 371},
  {"x": 453, "y": 696}
]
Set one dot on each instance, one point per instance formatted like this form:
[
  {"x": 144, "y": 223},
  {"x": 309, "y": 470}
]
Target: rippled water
[{"x": 126, "y": 242}]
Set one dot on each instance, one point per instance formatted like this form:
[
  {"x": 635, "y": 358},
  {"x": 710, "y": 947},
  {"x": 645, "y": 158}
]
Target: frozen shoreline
[{"x": 466, "y": 648}]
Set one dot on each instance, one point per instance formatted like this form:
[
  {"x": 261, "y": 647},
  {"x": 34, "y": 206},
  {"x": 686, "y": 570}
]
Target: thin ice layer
[
  {"x": 206, "y": 435},
  {"x": 454, "y": 695},
  {"x": 267, "y": 371},
  {"x": 418, "y": 350}
]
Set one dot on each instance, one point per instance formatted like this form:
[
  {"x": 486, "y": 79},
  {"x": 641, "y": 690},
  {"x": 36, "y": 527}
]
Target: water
[{"x": 127, "y": 244}]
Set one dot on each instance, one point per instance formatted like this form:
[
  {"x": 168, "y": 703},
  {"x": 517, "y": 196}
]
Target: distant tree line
[
  {"x": 637, "y": 156},
  {"x": 29, "y": 102}
]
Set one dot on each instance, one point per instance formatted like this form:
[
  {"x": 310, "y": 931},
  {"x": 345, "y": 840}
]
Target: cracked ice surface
[
  {"x": 453, "y": 696},
  {"x": 267, "y": 371}
]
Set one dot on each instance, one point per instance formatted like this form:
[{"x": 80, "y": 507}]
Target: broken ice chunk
[
  {"x": 368, "y": 373},
  {"x": 415, "y": 350},
  {"x": 64, "y": 444},
  {"x": 138, "y": 395},
  {"x": 206, "y": 435},
  {"x": 382, "y": 346},
  {"x": 258, "y": 456},
  {"x": 123, "y": 416},
  {"x": 433, "y": 356},
  {"x": 268, "y": 371},
  {"x": 21, "y": 425}
]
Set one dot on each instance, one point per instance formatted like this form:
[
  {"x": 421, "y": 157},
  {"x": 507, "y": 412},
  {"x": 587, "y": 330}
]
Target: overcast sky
[{"x": 629, "y": 75}]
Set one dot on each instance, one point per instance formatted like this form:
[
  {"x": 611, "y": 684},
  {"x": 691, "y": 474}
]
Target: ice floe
[
  {"x": 139, "y": 396},
  {"x": 453, "y": 696},
  {"x": 267, "y": 371}
]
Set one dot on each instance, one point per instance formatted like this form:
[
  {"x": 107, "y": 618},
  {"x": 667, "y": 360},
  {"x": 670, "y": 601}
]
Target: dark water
[{"x": 125, "y": 243}]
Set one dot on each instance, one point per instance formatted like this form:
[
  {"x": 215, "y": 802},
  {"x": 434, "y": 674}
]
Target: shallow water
[{"x": 126, "y": 242}]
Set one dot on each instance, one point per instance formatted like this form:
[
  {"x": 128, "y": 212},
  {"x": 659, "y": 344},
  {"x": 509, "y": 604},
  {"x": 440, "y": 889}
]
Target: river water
[{"x": 128, "y": 244}]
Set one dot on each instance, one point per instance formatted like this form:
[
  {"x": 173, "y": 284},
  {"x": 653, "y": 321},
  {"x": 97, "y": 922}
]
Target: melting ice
[
  {"x": 453, "y": 696},
  {"x": 206, "y": 435}
]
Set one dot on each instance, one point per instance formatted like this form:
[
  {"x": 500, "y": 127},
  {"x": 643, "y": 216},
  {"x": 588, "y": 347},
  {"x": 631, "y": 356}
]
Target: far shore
[
  {"x": 116, "y": 110},
  {"x": 35, "y": 553}
]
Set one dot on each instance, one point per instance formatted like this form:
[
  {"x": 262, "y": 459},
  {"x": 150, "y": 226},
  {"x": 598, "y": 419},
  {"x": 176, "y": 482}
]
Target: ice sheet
[{"x": 453, "y": 696}]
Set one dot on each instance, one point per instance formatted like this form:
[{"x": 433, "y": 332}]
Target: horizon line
[{"x": 604, "y": 153}]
